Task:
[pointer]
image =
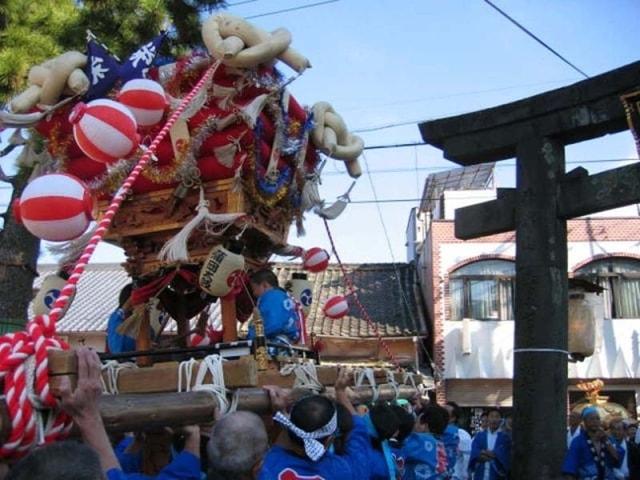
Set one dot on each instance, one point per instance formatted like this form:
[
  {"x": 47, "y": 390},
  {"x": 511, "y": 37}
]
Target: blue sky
[{"x": 383, "y": 62}]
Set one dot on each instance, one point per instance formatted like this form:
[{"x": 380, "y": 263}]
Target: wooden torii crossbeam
[{"x": 535, "y": 131}]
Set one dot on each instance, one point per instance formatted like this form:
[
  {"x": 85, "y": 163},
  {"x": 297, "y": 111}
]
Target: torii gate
[{"x": 535, "y": 131}]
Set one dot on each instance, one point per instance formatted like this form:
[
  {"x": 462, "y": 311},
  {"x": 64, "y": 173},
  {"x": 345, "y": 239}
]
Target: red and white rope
[
  {"x": 351, "y": 289},
  {"x": 39, "y": 338}
]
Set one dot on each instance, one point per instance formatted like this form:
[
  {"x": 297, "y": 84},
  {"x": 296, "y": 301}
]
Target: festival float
[{"x": 197, "y": 169}]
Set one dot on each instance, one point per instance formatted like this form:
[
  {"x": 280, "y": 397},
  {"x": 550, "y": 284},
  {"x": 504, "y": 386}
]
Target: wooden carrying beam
[
  {"x": 163, "y": 377},
  {"x": 126, "y": 413},
  {"x": 584, "y": 110}
]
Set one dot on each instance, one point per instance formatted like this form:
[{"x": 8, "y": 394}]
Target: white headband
[{"x": 312, "y": 447}]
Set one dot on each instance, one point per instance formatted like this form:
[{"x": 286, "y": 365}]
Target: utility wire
[
  {"x": 370, "y": 106},
  {"x": 498, "y": 165},
  {"x": 403, "y": 294},
  {"x": 240, "y": 3},
  {"x": 292, "y": 9},
  {"x": 535, "y": 37}
]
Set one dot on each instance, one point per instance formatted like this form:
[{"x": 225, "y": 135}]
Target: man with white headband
[{"x": 304, "y": 451}]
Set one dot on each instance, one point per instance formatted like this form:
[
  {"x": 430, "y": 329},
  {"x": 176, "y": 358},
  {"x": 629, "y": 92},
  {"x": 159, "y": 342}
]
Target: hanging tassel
[
  {"x": 251, "y": 111},
  {"x": 300, "y": 230},
  {"x": 175, "y": 250},
  {"x": 333, "y": 211},
  {"x": 237, "y": 177}
]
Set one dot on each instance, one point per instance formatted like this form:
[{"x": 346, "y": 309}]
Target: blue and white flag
[{"x": 104, "y": 69}]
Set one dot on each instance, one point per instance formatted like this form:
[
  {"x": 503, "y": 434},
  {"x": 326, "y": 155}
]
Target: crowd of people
[
  {"x": 313, "y": 437},
  {"x": 319, "y": 438}
]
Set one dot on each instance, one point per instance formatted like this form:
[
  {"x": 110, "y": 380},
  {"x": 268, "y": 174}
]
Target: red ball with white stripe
[
  {"x": 336, "y": 307},
  {"x": 316, "y": 260},
  {"x": 105, "y": 131},
  {"x": 56, "y": 207},
  {"x": 146, "y": 100}
]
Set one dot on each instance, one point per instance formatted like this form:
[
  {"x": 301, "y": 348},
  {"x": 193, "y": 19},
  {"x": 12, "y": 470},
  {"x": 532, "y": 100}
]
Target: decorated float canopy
[
  {"x": 197, "y": 168},
  {"x": 243, "y": 140}
]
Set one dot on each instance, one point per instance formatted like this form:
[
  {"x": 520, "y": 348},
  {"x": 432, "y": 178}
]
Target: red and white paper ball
[
  {"x": 56, "y": 207},
  {"x": 336, "y": 307},
  {"x": 316, "y": 260},
  {"x": 146, "y": 100},
  {"x": 105, "y": 131}
]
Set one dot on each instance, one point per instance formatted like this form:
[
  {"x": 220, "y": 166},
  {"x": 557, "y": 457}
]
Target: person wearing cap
[
  {"x": 592, "y": 455},
  {"x": 303, "y": 449}
]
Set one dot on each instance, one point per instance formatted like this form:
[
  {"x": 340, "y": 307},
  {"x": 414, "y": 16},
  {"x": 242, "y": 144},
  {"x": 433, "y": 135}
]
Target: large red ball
[
  {"x": 55, "y": 207},
  {"x": 146, "y": 100},
  {"x": 316, "y": 260},
  {"x": 336, "y": 307},
  {"x": 105, "y": 131}
]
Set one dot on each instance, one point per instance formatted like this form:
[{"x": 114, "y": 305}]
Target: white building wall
[
  {"x": 618, "y": 341},
  {"x": 463, "y": 198}
]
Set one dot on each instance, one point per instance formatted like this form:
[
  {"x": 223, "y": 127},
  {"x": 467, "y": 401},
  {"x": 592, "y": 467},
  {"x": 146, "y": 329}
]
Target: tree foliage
[{"x": 32, "y": 31}]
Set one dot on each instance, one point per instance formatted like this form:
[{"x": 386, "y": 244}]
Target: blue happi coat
[
  {"x": 579, "y": 460},
  {"x": 451, "y": 440},
  {"x": 185, "y": 466},
  {"x": 498, "y": 467},
  {"x": 281, "y": 464},
  {"x": 279, "y": 315},
  {"x": 425, "y": 457}
]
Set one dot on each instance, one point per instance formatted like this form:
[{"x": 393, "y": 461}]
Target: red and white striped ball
[
  {"x": 55, "y": 207},
  {"x": 146, "y": 100},
  {"x": 316, "y": 260},
  {"x": 197, "y": 340},
  {"x": 105, "y": 131},
  {"x": 336, "y": 307}
]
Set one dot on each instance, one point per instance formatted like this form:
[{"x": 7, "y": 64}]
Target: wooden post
[
  {"x": 229, "y": 320},
  {"x": 261, "y": 353},
  {"x": 143, "y": 340},
  {"x": 540, "y": 359},
  {"x": 535, "y": 130},
  {"x": 181, "y": 320}
]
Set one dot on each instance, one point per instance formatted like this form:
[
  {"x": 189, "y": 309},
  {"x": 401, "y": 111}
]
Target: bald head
[{"x": 238, "y": 443}]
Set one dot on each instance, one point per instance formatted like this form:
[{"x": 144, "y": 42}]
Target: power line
[
  {"x": 292, "y": 9},
  {"x": 453, "y": 95},
  {"x": 235, "y": 4},
  {"x": 536, "y": 38},
  {"x": 397, "y": 145},
  {"x": 498, "y": 165},
  {"x": 398, "y": 124}
]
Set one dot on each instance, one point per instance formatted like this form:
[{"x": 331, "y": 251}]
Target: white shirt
[
  {"x": 461, "y": 470},
  {"x": 571, "y": 436},
  {"x": 491, "y": 443}
]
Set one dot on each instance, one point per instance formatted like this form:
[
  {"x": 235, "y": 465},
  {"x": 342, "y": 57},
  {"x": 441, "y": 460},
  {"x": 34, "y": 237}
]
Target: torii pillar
[{"x": 535, "y": 131}]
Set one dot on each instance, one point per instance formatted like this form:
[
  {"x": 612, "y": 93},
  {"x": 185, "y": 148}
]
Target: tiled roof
[
  {"x": 377, "y": 284},
  {"x": 96, "y": 298},
  {"x": 379, "y": 290}
]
